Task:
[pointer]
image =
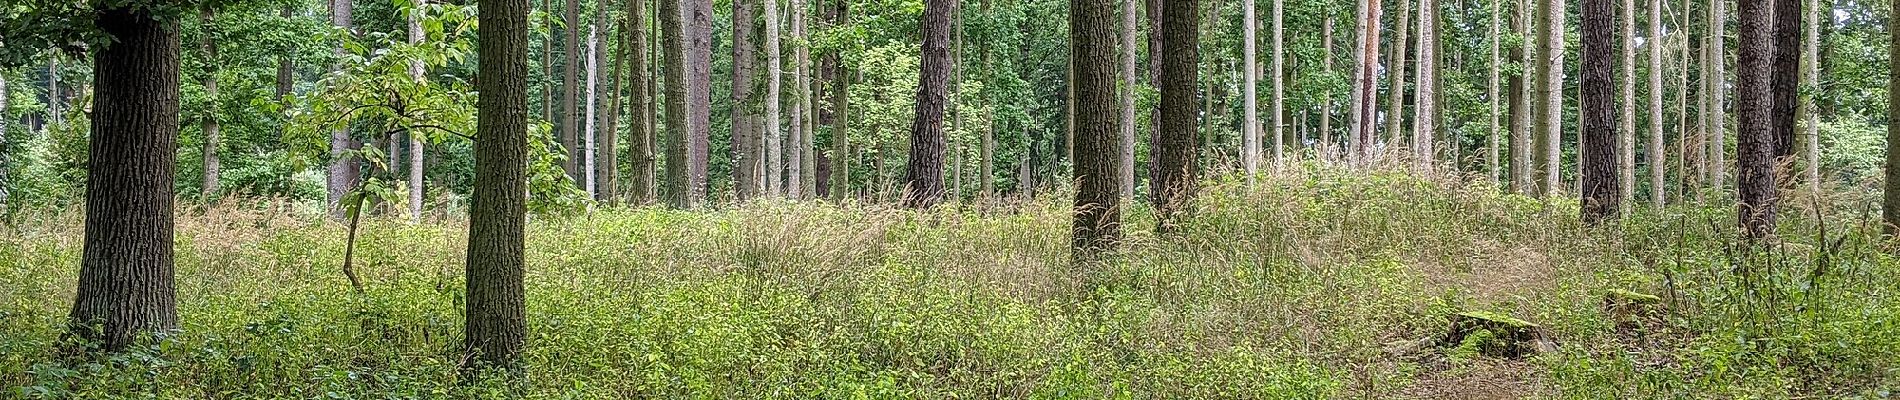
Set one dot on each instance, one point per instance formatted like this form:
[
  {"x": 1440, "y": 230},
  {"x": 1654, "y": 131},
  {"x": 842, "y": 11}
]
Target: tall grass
[{"x": 1307, "y": 285}]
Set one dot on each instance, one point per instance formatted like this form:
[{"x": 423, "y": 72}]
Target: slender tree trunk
[
  {"x": 1097, "y": 224},
  {"x": 679, "y": 187},
  {"x": 495, "y": 308},
  {"x": 1597, "y": 99},
  {"x": 1129, "y": 76},
  {"x": 1326, "y": 102},
  {"x": 344, "y": 169},
  {"x": 1717, "y": 79},
  {"x": 56, "y": 103},
  {"x": 6, "y": 144},
  {"x": 841, "y": 155},
  {"x": 774, "y": 136},
  {"x": 923, "y": 174},
  {"x": 210, "y": 122},
  {"x": 749, "y": 162},
  {"x": 1706, "y": 109},
  {"x": 1174, "y": 145},
  {"x": 699, "y": 101},
  {"x": 1068, "y": 113},
  {"x": 1626, "y": 134},
  {"x": 1551, "y": 86},
  {"x": 1655, "y": 149},
  {"x": 1424, "y": 126},
  {"x": 1395, "y": 100},
  {"x": 570, "y": 83},
  {"x": 1491, "y": 162},
  {"x": 1785, "y": 80},
  {"x": 418, "y": 72},
  {"x": 1811, "y": 75},
  {"x": 795, "y": 145},
  {"x": 589, "y": 132},
  {"x": 547, "y": 62},
  {"x": 986, "y": 166},
  {"x": 1522, "y": 87},
  {"x": 1278, "y": 110},
  {"x": 286, "y": 70},
  {"x": 1755, "y": 147},
  {"x": 1365, "y": 89},
  {"x": 640, "y": 132},
  {"x": 608, "y": 156},
  {"x": 1250, "y": 68},
  {"x": 1890, "y": 193},
  {"x": 1154, "y": 11},
  {"x": 125, "y": 272},
  {"x": 807, "y": 118}
]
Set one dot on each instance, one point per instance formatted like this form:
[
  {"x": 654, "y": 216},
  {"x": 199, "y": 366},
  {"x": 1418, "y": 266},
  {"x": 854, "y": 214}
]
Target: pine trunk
[
  {"x": 1597, "y": 101},
  {"x": 1424, "y": 124},
  {"x": 1626, "y": 133},
  {"x": 699, "y": 101},
  {"x": 1395, "y": 95},
  {"x": 1785, "y": 80},
  {"x": 1097, "y": 223},
  {"x": 678, "y": 138},
  {"x": 1174, "y": 145},
  {"x": 1250, "y": 68},
  {"x": 748, "y": 171},
  {"x": 1655, "y": 150},
  {"x": 1755, "y": 116},
  {"x": 1128, "y": 81},
  {"x": 923, "y": 173}
]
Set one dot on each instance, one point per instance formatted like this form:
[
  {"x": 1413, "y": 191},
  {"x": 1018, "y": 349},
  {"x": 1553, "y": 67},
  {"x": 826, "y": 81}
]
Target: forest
[{"x": 939, "y": 199}]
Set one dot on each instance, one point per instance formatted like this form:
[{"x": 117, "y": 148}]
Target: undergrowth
[{"x": 1300, "y": 287}]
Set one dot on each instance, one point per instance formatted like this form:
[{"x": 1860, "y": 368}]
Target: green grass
[{"x": 1301, "y": 288}]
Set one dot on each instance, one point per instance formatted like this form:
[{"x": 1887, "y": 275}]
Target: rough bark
[
  {"x": 805, "y": 118},
  {"x": 1785, "y": 80},
  {"x": 640, "y": 133},
  {"x": 1174, "y": 146},
  {"x": 1890, "y": 193},
  {"x": 1365, "y": 99},
  {"x": 1550, "y": 85},
  {"x": 1097, "y": 225},
  {"x": 1598, "y": 101},
  {"x": 1754, "y": 112},
  {"x": 923, "y": 174},
  {"x": 1523, "y": 161},
  {"x": 416, "y": 71},
  {"x": 678, "y": 139},
  {"x": 1491, "y": 162},
  {"x": 1716, "y": 78},
  {"x": 495, "y": 307},
  {"x": 344, "y": 169},
  {"x": 840, "y": 181},
  {"x": 125, "y": 273},
  {"x": 1654, "y": 150}
]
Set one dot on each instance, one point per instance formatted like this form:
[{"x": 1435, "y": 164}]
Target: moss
[{"x": 1498, "y": 318}]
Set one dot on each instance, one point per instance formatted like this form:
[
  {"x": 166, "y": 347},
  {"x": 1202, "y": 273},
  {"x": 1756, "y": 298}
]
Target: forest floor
[{"x": 1316, "y": 284}]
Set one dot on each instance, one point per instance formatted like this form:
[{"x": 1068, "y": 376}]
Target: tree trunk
[
  {"x": 640, "y": 133},
  {"x": 125, "y": 271},
  {"x": 495, "y": 314},
  {"x": 1597, "y": 100},
  {"x": 1656, "y": 42},
  {"x": 1523, "y": 164},
  {"x": 1097, "y": 224},
  {"x": 774, "y": 136},
  {"x": 1395, "y": 100},
  {"x": 699, "y": 101},
  {"x": 1250, "y": 68},
  {"x": 547, "y": 62},
  {"x": 1174, "y": 145},
  {"x": 210, "y": 122},
  {"x": 570, "y": 81},
  {"x": 1424, "y": 125},
  {"x": 841, "y": 156},
  {"x": 748, "y": 170},
  {"x": 1325, "y": 139},
  {"x": 607, "y": 157},
  {"x": 586, "y": 153},
  {"x": 1551, "y": 86},
  {"x": 6, "y": 163},
  {"x": 1626, "y": 134},
  {"x": 923, "y": 174},
  {"x": 807, "y": 117},
  {"x": 1278, "y": 110},
  {"x": 1128, "y": 92},
  {"x": 1717, "y": 153},
  {"x": 55, "y": 103},
  {"x": 794, "y": 143},
  {"x": 986, "y": 165},
  {"x": 1366, "y": 98},
  {"x": 678, "y": 138},
  {"x": 286, "y": 71},
  {"x": 418, "y": 72},
  {"x": 1890, "y": 194},
  {"x": 1755, "y": 116},
  {"x": 1785, "y": 80},
  {"x": 1491, "y": 164},
  {"x": 344, "y": 170},
  {"x": 1811, "y": 136}
]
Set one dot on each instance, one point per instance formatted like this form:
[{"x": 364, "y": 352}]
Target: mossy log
[{"x": 1497, "y": 335}]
